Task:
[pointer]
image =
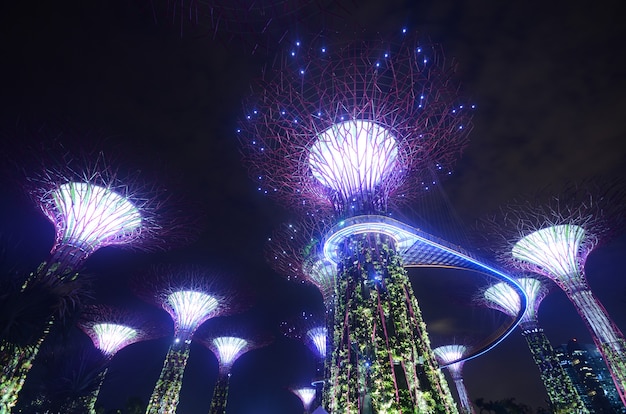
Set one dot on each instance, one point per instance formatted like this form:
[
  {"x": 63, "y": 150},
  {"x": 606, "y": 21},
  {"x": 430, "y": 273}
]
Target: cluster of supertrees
[
  {"x": 91, "y": 208},
  {"x": 345, "y": 135},
  {"x": 553, "y": 240}
]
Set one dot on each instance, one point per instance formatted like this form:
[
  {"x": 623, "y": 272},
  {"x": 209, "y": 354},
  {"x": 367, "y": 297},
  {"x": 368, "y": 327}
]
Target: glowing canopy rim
[
  {"x": 317, "y": 336},
  {"x": 407, "y": 237},
  {"x": 353, "y": 156},
  {"x": 554, "y": 249},
  {"x": 112, "y": 337},
  {"x": 306, "y": 395},
  {"x": 91, "y": 215},
  {"x": 190, "y": 308},
  {"x": 229, "y": 348}
]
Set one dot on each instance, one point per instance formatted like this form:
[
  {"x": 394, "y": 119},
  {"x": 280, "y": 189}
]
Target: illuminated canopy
[
  {"x": 553, "y": 249},
  {"x": 189, "y": 308},
  {"x": 318, "y": 338},
  {"x": 229, "y": 348},
  {"x": 92, "y": 216},
  {"x": 110, "y": 337},
  {"x": 306, "y": 395},
  {"x": 450, "y": 354},
  {"x": 353, "y": 156},
  {"x": 503, "y": 298}
]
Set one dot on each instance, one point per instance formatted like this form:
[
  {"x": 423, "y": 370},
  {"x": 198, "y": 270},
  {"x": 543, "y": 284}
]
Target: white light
[
  {"x": 190, "y": 308},
  {"x": 112, "y": 337},
  {"x": 504, "y": 297},
  {"x": 318, "y": 338},
  {"x": 306, "y": 395},
  {"x": 449, "y": 353},
  {"x": 229, "y": 349},
  {"x": 94, "y": 216},
  {"x": 353, "y": 156},
  {"x": 554, "y": 249}
]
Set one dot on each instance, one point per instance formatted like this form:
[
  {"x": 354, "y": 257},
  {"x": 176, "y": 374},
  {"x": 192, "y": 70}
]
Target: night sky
[{"x": 548, "y": 80}]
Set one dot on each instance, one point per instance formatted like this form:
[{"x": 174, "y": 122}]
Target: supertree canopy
[
  {"x": 349, "y": 130},
  {"x": 306, "y": 395},
  {"x": 93, "y": 204},
  {"x": 554, "y": 239},
  {"x": 228, "y": 340},
  {"x": 561, "y": 391},
  {"x": 451, "y": 356},
  {"x": 110, "y": 330},
  {"x": 191, "y": 296}
]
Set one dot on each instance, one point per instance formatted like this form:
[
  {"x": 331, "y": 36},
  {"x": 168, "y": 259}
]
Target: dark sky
[{"x": 548, "y": 80}]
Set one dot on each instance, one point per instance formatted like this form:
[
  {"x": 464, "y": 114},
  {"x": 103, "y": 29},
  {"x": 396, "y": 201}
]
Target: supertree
[
  {"x": 191, "y": 295},
  {"x": 451, "y": 356},
  {"x": 554, "y": 239},
  {"x": 350, "y": 130},
  {"x": 112, "y": 329},
  {"x": 306, "y": 395},
  {"x": 561, "y": 391},
  {"x": 228, "y": 341},
  {"x": 91, "y": 204}
]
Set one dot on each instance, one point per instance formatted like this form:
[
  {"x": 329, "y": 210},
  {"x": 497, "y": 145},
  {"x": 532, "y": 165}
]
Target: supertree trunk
[
  {"x": 16, "y": 363},
  {"x": 608, "y": 338},
  {"x": 220, "y": 394},
  {"x": 564, "y": 398},
  {"x": 381, "y": 360},
  {"x": 166, "y": 393},
  {"x": 466, "y": 405}
]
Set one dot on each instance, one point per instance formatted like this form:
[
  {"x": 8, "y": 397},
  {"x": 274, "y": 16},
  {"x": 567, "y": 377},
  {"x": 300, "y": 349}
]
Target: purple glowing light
[
  {"x": 189, "y": 308},
  {"x": 554, "y": 250},
  {"x": 317, "y": 336},
  {"x": 306, "y": 395},
  {"x": 229, "y": 348},
  {"x": 91, "y": 216},
  {"x": 353, "y": 156},
  {"x": 111, "y": 337}
]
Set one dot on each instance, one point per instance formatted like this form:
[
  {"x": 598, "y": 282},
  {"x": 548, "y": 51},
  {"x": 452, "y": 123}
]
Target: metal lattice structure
[
  {"x": 561, "y": 391},
  {"x": 554, "y": 239},
  {"x": 191, "y": 296},
  {"x": 296, "y": 252},
  {"x": 448, "y": 355},
  {"x": 255, "y": 24}
]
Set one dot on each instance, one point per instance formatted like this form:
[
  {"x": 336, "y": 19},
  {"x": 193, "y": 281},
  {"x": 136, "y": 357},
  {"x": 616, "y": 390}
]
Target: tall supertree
[
  {"x": 350, "y": 129},
  {"x": 554, "y": 240},
  {"x": 306, "y": 395},
  {"x": 91, "y": 204},
  {"x": 191, "y": 296},
  {"x": 452, "y": 357},
  {"x": 561, "y": 391},
  {"x": 228, "y": 341},
  {"x": 111, "y": 329}
]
